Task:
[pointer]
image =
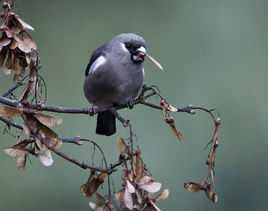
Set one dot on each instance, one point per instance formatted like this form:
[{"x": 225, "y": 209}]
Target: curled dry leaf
[
  {"x": 122, "y": 147},
  {"x": 128, "y": 200},
  {"x": 93, "y": 183},
  {"x": 203, "y": 186},
  {"x": 44, "y": 154},
  {"x": 19, "y": 152},
  {"x": 163, "y": 195},
  {"x": 48, "y": 120},
  {"x": 25, "y": 42},
  {"x": 138, "y": 166},
  {"x": 171, "y": 122},
  {"x": 9, "y": 112},
  {"x": 212, "y": 196},
  {"x": 19, "y": 155},
  {"x": 194, "y": 187},
  {"x": 15, "y": 24},
  {"x": 42, "y": 132},
  {"x": 151, "y": 187}
]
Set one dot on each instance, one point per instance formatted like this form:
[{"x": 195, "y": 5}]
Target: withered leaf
[
  {"x": 44, "y": 154},
  {"x": 15, "y": 24},
  {"x": 9, "y": 112},
  {"x": 42, "y": 132},
  {"x": 151, "y": 187},
  {"x": 4, "y": 41},
  {"x": 130, "y": 187},
  {"x": 138, "y": 166},
  {"x": 171, "y": 122},
  {"x": 19, "y": 153},
  {"x": 163, "y": 195},
  {"x": 48, "y": 120},
  {"x": 25, "y": 42},
  {"x": 3, "y": 55},
  {"x": 212, "y": 196},
  {"x": 194, "y": 187},
  {"x": 93, "y": 183},
  {"x": 122, "y": 146},
  {"x": 128, "y": 200}
]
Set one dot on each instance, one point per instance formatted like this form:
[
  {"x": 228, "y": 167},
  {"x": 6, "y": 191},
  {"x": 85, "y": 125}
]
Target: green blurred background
[{"x": 215, "y": 55}]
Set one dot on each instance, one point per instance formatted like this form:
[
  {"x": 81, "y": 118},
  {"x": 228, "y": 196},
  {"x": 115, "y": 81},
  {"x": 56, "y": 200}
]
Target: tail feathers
[{"x": 106, "y": 123}]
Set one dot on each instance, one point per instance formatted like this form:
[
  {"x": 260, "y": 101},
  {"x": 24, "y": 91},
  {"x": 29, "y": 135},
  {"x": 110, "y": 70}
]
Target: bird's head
[{"x": 134, "y": 46}]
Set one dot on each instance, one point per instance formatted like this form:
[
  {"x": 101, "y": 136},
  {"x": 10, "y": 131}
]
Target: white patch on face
[
  {"x": 142, "y": 49},
  {"x": 124, "y": 47},
  {"x": 99, "y": 62}
]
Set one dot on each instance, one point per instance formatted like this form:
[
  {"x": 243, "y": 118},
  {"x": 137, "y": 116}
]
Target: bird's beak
[{"x": 142, "y": 52}]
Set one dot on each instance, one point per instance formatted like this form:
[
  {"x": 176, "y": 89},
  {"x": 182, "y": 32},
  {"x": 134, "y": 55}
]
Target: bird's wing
[{"x": 97, "y": 59}]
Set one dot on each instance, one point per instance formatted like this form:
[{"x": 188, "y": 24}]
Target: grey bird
[{"x": 114, "y": 76}]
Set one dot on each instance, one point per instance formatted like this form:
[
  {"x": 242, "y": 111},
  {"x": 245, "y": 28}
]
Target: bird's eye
[{"x": 129, "y": 45}]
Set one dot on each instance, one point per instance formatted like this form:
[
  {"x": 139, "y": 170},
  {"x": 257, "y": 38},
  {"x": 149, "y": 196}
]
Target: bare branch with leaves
[{"x": 19, "y": 57}]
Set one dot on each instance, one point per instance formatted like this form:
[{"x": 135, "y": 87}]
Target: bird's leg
[
  {"x": 92, "y": 110},
  {"x": 124, "y": 121},
  {"x": 131, "y": 104}
]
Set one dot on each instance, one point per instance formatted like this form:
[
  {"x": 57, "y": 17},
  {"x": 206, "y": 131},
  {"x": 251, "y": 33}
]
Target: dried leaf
[
  {"x": 138, "y": 166},
  {"x": 171, "y": 122},
  {"x": 25, "y": 42},
  {"x": 42, "y": 132},
  {"x": 9, "y": 112},
  {"x": 194, "y": 187},
  {"x": 24, "y": 25},
  {"x": 145, "y": 180},
  {"x": 92, "y": 205},
  {"x": 100, "y": 200},
  {"x": 122, "y": 146},
  {"x": 93, "y": 183},
  {"x": 3, "y": 56},
  {"x": 163, "y": 195},
  {"x": 4, "y": 41},
  {"x": 48, "y": 120},
  {"x": 19, "y": 153},
  {"x": 151, "y": 187},
  {"x": 128, "y": 200},
  {"x": 212, "y": 196},
  {"x": 130, "y": 187},
  {"x": 45, "y": 157}
]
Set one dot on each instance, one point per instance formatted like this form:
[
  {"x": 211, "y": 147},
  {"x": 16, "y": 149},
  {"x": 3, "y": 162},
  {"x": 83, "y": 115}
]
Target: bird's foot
[
  {"x": 131, "y": 104},
  {"x": 92, "y": 110}
]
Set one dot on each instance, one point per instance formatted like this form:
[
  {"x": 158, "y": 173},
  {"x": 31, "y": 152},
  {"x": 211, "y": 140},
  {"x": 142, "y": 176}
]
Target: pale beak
[
  {"x": 155, "y": 62},
  {"x": 142, "y": 50}
]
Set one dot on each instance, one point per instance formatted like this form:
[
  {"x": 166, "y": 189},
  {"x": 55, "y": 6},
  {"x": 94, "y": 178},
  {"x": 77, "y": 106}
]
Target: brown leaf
[
  {"x": 48, "y": 120},
  {"x": 44, "y": 154},
  {"x": 171, "y": 122},
  {"x": 128, "y": 200},
  {"x": 3, "y": 56},
  {"x": 93, "y": 183},
  {"x": 151, "y": 187},
  {"x": 138, "y": 166},
  {"x": 19, "y": 152},
  {"x": 212, "y": 196},
  {"x": 194, "y": 187},
  {"x": 4, "y": 41},
  {"x": 25, "y": 42},
  {"x": 9, "y": 112},
  {"x": 163, "y": 195},
  {"x": 42, "y": 132},
  {"x": 122, "y": 146},
  {"x": 15, "y": 24}
]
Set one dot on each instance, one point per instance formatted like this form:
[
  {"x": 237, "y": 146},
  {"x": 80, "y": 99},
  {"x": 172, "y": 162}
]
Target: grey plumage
[{"x": 115, "y": 76}]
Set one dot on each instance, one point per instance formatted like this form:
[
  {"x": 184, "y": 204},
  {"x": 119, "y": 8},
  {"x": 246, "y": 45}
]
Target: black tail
[{"x": 106, "y": 124}]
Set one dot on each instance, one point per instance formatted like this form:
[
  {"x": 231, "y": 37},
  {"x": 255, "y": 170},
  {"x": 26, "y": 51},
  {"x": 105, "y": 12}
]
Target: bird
[{"x": 115, "y": 76}]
